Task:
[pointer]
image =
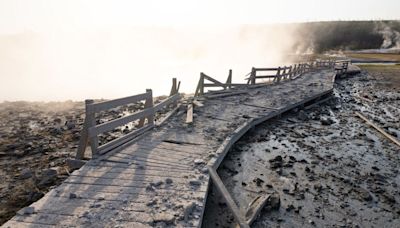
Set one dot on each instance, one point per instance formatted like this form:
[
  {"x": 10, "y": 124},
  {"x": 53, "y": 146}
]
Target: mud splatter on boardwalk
[{"x": 326, "y": 167}]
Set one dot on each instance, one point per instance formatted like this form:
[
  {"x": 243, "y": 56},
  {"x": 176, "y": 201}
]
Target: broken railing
[
  {"x": 214, "y": 83},
  {"x": 92, "y": 130},
  {"x": 270, "y": 75}
]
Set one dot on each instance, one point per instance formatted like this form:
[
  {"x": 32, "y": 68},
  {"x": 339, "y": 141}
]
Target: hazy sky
[
  {"x": 59, "y": 50},
  {"x": 17, "y": 15}
]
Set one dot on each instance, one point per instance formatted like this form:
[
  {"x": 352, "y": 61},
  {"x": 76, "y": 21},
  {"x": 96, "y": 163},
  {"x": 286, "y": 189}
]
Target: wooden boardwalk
[{"x": 161, "y": 179}]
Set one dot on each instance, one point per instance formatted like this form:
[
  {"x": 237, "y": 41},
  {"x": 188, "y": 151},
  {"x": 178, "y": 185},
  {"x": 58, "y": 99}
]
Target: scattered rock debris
[{"x": 328, "y": 167}]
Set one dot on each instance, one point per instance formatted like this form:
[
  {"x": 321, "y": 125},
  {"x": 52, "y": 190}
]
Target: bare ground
[
  {"x": 36, "y": 139},
  {"x": 324, "y": 167}
]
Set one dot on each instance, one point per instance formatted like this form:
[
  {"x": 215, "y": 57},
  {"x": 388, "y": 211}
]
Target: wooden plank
[
  {"x": 127, "y": 189},
  {"x": 157, "y": 152},
  {"x": 115, "y": 171},
  {"x": 150, "y": 165},
  {"x": 106, "y": 218},
  {"x": 189, "y": 115},
  {"x": 194, "y": 150},
  {"x": 142, "y": 159},
  {"x": 147, "y": 146},
  {"x": 110, "y": 125},
  {"x": 134, "y": 164},
  {"x": 225, "y": 95},
  {"x": 255, "y": 208},
  {"x": 180, "y": 183},
  {"x": 126, "y": 198},
  {"x": 146, "y": 176},
  {"x": 123, "y": 139},
  {"x": 20, "y": 224},
  {"x": 161, "y": 156},
  {"x": 391, "y": 138},
  {"x": 106, "y": 105},
  {"x": 166, "y": 102},
  {"x": 213, "y": 80},
  {"x": 168, "y": 116},
  {"x": 228, "y": 199}
]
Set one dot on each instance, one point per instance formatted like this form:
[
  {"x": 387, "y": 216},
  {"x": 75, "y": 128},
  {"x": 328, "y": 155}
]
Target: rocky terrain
[
  {"x": 322, "y": 166},
  {"x": 36, "y": 139}
]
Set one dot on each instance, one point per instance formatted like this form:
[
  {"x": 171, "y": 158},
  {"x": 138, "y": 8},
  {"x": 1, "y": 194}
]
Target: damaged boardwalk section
[{"x": 160, "y": 176}]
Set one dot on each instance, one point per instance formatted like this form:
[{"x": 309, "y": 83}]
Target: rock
[
  {"x": 48, "y": 176},
  {"x": 326, "y": 121},
  {"x": 277, "y": 162},
  {"x": 151, "y": 203},
  {"x": 70, "y": 124},
  {"x": 49, "y": 172},
  {"x": 188, "y": 210},
  {"x": 26, "y": 211},
  {"x": 74, "y": 164},
  {"x": 290, "y": 207},
  {"x": 164, "y": 217},
  {"x": 195, "y": 182},
  {"x": 302, "y": 116},
  {"x": 364, "y": 194},
  {"x": 73, "y": 196},
  {"x": 25, "y": 174},
  {"x": 199, "y": 161},
  {"x": 168, "y": 181},
  {"x": 258, "y": 181},
  {"x": 157, "y": 184},
  {"x": 273, "y": 203}
]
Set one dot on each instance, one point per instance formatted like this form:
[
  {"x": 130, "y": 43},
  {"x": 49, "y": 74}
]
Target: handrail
[
  {"x": 91, "y": 130},
  {"x": 281, "y": 73}
]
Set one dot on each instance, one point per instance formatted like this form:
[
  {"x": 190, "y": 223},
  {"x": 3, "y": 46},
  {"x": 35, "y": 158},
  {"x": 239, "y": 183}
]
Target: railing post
[
  {"x": 278, "y": 74},
  {"x": 173, "y": 88},
  {"x": 290, "y": 72},
  {"x": 91, "y": 120},
  {"x": 284, "y": 73},
  {"x": 200, "y": 86},
  {"x": 148, "y": 104},
  {"x": 253, "y": 76},
  {"x": 83, "y": 141},
  {"x": 229, "y": 80}
]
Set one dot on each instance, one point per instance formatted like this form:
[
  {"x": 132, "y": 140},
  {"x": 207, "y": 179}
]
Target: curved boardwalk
[{"x": 161, "y": 179}]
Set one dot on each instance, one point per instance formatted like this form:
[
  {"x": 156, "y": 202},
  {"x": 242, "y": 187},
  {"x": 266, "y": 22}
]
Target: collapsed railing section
[
  {"x": 92, "y": 130},
  {"x": 273, "y": 75},
  {"x": 214, "y": 83}
]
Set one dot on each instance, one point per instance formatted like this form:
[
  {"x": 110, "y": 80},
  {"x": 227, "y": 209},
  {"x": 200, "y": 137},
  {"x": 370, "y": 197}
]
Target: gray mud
[{"x": 325, "y": 167}]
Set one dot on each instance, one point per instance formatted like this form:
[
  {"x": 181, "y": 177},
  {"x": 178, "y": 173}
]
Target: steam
[
  {"x": 391, "y": 37},
  {"x": 112, "y": 63}
]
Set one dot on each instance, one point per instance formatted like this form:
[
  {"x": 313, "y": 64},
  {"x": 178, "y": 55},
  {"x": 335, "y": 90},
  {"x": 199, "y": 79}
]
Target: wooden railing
[
  {"x": 214, "y": 83},
  {"x": 341, "y": 66},
  {"x": 91, "y": 130},
  {"x": 274, "y": 75}
]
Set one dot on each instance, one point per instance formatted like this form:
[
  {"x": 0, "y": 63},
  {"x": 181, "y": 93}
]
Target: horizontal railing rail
[
  {"x": 91, "y": 130},
  {"x": 273, "y": 74}
]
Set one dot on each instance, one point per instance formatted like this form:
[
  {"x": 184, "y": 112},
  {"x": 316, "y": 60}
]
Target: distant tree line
[{"x": 320, "y": 37}]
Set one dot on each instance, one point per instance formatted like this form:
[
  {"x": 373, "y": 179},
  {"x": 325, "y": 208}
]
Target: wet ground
[{"x": 323, "y": 166}]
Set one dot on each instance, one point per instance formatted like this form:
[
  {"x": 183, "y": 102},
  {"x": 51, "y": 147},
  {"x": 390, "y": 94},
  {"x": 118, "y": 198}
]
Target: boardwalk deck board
[{"x": 114, "y": 190}]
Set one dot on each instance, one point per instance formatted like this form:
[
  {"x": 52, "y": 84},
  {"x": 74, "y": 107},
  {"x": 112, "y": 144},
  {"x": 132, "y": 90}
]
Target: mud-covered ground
[
  {"x": 36, "y": 139},
  {"x": 323, "y": 167}
]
